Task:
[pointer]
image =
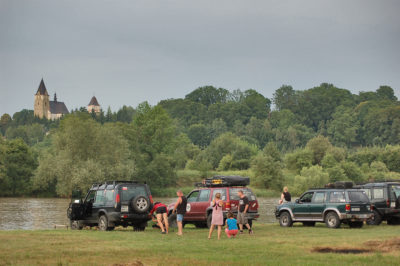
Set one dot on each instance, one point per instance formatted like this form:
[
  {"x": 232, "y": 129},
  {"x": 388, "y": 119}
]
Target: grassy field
[{"x": 270, "y": 245}]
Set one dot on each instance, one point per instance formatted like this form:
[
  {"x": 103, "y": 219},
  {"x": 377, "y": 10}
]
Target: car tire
[
  {"x": 103, "y": 223},
  {"x": 356, "y": 224},
  {"x": 376, "y": 219},
  {"x": 309, "y": 224},
  {"x": 209, "y": 218},
  {"x": 332, "y": 220},
  {"x": 393, "y": 221},
  {"x": 172, "y": 221},
  {"x": 285, "y": 219},
  {"x": 75, "y": 225},
  {"x": 140, "y": 204},
  {"x": 200, "y": 225}
]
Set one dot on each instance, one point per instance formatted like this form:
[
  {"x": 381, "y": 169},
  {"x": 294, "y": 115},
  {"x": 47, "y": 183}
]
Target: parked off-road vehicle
[
  {"x": 330, "y": 205},
  {"x": 198, "y": 208},
  {"x": 110, "y": 204},
  {"x": 385, "y": 197}
]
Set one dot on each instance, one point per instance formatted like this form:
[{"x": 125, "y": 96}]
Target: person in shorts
[
  {"x": 242, "y": 212},
  {"x": 180, "y": 209},
  {"x": 231, "y": 229},
  {"x": 161, "y": 211}
]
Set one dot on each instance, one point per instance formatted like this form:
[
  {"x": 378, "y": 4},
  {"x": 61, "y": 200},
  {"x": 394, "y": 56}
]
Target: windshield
[
  {"x": 358, "y": 196},
  {"x": 233, "y": 193},
  {"x": 129, "y": 192}
]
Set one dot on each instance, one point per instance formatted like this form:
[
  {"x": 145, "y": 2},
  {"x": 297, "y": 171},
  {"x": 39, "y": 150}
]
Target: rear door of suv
[{"x": 128, "y": 192}]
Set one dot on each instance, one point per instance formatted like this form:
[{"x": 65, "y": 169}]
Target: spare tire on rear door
[{"x": 140, "y": 204}]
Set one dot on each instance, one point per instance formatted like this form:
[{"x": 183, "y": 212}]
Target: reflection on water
[{"x": 44, "y": 213}]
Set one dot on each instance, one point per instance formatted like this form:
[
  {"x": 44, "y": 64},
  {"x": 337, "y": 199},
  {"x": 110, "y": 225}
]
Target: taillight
[
  {"x": 388, "y": 203},
  {"x": 228, "y": 205},
  {"x": 151, "y": 199},
  {"x": 347, "y": 207},
  {"x": 117, "y": 199}
]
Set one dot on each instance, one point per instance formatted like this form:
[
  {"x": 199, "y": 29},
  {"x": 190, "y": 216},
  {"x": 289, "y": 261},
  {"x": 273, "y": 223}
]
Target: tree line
[{"x": 310, "y": 137}]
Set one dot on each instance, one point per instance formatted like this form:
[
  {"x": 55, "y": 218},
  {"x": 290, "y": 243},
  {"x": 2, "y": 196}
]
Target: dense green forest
[{"x": 297, "y": 138}]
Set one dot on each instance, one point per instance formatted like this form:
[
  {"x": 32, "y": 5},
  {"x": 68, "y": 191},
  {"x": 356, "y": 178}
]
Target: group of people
[{"x": 217, "y": 218}]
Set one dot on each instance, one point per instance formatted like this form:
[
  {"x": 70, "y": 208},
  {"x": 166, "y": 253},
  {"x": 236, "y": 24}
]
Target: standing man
[
  {"x": 242, "y": 212},
  {"x": 180, "y": 209}
]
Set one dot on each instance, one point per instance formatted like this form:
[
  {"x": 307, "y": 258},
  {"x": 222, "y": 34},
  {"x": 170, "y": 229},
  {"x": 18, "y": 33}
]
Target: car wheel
[
  {"x": 140, "y": 204},
  {"x": 209, "y": 218},
  {"x": 200, "y": 225},
  {"x": 376, "y": 219},
  {"x": 309, "y": 224},
  {"x": 356, "y": 224},
  {"x": 172, "y": 221},
  {"x": 393, "y": 221},
  {"x": 332, "y": 220},
  {"x": 103, "y": 223},
  {"x": 75, "y": 225},
  {"x": 285, "y": 219}
]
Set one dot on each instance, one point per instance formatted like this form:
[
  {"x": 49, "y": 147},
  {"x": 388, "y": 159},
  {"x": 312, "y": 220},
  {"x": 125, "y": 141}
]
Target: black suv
[
  {"x": 385, "y": 197},
  {"x": 330, "y": 205},
  {"x": 110, "y": 204}
]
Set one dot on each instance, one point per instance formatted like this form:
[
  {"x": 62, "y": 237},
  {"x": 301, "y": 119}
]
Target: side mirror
[{"x": 297, "y": 201}]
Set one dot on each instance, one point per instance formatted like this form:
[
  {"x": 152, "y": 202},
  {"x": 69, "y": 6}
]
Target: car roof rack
[
  {"x": 112, "y": 183},
  {"x": 379, "y": 181},
  {"x": 224, "y": 181}
]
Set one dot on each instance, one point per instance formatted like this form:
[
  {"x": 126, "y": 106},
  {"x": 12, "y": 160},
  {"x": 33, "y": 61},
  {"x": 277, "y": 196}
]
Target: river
[{"x": 44, "y": 213}]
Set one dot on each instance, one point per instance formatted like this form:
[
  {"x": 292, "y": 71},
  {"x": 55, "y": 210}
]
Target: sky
[{"x": 127, "y": 52}]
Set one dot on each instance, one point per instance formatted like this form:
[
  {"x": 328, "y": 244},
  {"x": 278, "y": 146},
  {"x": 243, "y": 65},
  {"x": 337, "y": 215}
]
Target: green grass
[{"x": 270, "y": 245}]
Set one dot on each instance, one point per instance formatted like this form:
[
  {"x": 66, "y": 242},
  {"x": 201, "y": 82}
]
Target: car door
[
  {"x": 199, "y": 207},
  {"x": 317, "y": 205},
  {"x": 378, "y": 197},
  {"x": 97, "y": 205},
  {"x": 301, "y": 209},
  {"x": 191, "y": 208}
]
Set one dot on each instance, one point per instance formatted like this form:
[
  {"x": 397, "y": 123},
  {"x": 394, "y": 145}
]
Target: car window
[
  {"x": 367, "y": 192},
  {"x": 100, "y": 198},
  {"x": 247, "y": 192},
  {"x": 396, "y": 190},
  {"x": 193, "y": 196},
  {"x": 219, "y": 190},
  {"x": 307, "y": 197},
  {"x": 337, "y": 196},
  {"x": 358, "y": 196},
  {"x": 204, "y": 195},
  {"x": 129, "y": 192},
  {"x": 319, "y": 197},
  {"x": 109, "y": 196},
  {"x": 90, "y": 197},
  {"x": 378, "y": 193}
]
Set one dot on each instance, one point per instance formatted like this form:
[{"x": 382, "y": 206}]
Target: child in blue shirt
[{"x": 231, "y": 226}]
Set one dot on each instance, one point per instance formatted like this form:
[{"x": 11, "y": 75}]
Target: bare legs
[
  {"x": 241, "y": 226},
  {"x": 179, "y": 228},
  {"x": 159, "y": 221},
  {"x": 212, "y": 229},
  {"x": 165, "y": 216}
]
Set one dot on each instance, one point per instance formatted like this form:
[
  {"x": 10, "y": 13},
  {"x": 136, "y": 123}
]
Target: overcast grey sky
[{"x": 126, "y": 52}]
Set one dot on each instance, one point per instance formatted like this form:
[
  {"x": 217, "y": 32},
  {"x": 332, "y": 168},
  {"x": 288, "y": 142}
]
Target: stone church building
[{"x": 44, "y": 108}]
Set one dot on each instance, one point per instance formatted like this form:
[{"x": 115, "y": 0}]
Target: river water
[{"x": 44, "y": 213}]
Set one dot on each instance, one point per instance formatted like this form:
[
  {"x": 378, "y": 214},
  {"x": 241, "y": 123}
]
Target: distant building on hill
[
  {"x": 44, "y": 108},
  {"x": 94, "y": 106}
]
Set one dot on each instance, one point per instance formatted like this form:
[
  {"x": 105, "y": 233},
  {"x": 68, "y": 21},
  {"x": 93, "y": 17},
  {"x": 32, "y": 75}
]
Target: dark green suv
[
  {"x": 385, "y": 197},
  {"x": 330, "y": 205}
]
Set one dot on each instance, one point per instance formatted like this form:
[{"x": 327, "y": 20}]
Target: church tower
[
  {"x": 94, "y": 106},
  {"x": 42, "y": 102}
]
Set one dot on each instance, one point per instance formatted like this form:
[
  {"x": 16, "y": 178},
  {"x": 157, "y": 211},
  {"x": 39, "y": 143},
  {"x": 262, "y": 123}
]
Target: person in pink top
[{"x": 217, "y": 215}]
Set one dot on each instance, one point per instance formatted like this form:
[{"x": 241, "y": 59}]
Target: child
[{"x": 231, "y": 226}]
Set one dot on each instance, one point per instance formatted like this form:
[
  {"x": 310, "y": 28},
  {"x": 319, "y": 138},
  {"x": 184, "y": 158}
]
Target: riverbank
[{"x": 270, "y": 245}]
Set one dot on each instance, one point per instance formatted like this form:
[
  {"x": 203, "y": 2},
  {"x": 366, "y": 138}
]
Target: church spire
[{"x": 42, "y": 89}]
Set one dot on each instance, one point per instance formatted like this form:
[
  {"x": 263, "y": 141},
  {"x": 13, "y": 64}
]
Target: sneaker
[
  {"x": 163, "y": 233},
  {"x": 241, "y": 232},
  {"x": 250, "y": 231}
]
